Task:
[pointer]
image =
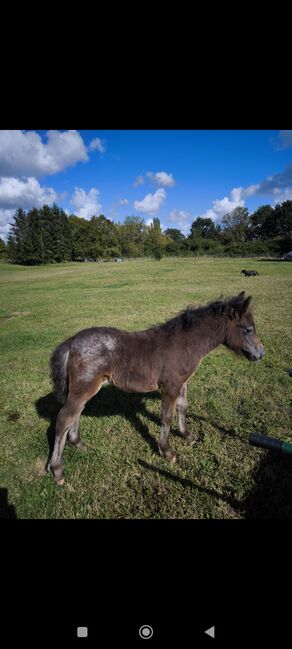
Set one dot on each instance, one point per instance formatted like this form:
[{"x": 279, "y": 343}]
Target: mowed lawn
[{"x": 120, "y": 474}]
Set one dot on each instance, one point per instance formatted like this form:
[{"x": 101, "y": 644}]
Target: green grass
[{"x": 120, "y": 474}]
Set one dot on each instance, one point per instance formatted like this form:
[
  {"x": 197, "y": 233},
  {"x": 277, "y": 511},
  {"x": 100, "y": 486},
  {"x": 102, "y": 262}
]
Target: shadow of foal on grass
[
  {"x": 6, "y": 510},
  {"x": 108, "y": 403},
  {"x": 185, "y": 482},
  {"x": 270, "y": 496}
]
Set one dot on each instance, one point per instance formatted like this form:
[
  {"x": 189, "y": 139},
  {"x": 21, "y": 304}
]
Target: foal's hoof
[
  {"x": 80, "y": 445},
  {"x": 191, "y": 439},
  {"x": 168, "y": 454},
  {"x": 60, "y": 482}
]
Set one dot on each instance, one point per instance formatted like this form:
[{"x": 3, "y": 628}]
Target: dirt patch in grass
[{"x": 13, "y": 415}]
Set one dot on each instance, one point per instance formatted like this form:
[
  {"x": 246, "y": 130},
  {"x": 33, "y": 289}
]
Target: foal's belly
[{"x": 133, "y": 382}]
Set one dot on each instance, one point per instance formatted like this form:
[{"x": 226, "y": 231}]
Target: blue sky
[{"x": 173, "y": 175}]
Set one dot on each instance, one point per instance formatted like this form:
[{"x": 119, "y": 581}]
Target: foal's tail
[{"x": 59, "y": 361}]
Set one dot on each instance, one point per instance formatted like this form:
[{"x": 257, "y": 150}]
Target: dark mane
[{"x": 192, "y": 316}]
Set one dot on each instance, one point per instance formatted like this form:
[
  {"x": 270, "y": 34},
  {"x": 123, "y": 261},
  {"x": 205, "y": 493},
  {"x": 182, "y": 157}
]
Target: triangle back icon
[{"x": 211, "y": 632}]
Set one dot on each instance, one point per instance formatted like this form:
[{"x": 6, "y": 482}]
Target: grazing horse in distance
[
  {"x": 249, "y": 273},
  {"x": 162, "y": 357}
]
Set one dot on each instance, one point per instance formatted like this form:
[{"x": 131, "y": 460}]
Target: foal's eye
[{"x": 248, "y": 330}]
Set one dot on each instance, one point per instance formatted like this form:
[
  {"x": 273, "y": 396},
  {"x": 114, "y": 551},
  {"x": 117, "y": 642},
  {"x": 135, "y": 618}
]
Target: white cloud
[
  {"x": 139, "y": 180},
  {"x": 86, "y": 204},
  {"x": 181, "y": 220},
  {"x": 98, "y": 144},
  {"x": 251, "y": 190},
  {"x": 6, "y": 217},
  {"x": 224, "y": 205},
  {"x": 24, "y": 154},
  {"x": 24, "y": 192},
  {"x": 123, "y": 201},
  {"x": 271, "y": 184},
  {"x": 161, "y": 178},
  {"x": 21, "y": 192},
  {"x": 151, "y": 203},
  {"x": 278, "y": 186},
  {"x": 282, "y": 195}
]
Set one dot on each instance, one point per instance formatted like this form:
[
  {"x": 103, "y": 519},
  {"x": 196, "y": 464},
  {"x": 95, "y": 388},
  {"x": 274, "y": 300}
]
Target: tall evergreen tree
[
  {"x": 61, "y": 235},
  {"x": 17, "y": 237},
  {"x": 3, "y": 248},
  {"x": 79, "y": 235},
  {"x": 34, "y": 246}
]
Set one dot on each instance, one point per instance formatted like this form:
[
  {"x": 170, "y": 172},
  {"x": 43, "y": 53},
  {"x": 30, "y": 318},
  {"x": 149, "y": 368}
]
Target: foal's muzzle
[{"x": 255, "y": 354}]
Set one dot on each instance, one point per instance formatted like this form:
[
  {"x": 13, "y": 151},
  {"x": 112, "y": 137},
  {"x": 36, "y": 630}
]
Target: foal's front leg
[
  {"x": 167, "y": 412},
  {"x": 181, "y": 409}
]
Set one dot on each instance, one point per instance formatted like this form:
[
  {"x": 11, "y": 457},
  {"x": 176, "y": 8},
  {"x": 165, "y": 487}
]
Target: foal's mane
[{"x": 191, "y": 316}]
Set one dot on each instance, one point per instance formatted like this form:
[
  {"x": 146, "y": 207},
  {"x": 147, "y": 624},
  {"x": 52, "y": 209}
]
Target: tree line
[{"x": 48, "y": 235}]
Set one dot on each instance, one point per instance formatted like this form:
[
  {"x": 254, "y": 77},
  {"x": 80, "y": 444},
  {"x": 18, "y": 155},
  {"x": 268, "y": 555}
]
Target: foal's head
[{"x": 240, "y": 330}]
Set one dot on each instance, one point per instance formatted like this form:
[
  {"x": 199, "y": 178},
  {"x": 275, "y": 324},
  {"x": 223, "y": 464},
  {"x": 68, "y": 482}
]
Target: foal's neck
[{"x": 207, "y": 335}]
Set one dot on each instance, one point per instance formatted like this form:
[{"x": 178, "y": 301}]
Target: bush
[{"x": 157, "y": 254}]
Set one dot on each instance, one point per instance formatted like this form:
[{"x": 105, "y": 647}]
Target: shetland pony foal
[{"x": 162, "y": 357}]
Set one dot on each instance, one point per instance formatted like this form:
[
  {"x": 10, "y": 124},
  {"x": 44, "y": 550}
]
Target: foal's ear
[
  {"x": 238, "y": 306},
  {"x": 245, "y": 305}
]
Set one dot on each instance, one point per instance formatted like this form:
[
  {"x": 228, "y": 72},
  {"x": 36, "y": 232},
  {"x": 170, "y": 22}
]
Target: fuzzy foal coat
[{"x": 162, "y": 357}]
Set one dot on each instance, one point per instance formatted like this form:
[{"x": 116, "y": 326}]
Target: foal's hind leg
[
  {"x": 181, "y": 410},
  {"x": 167, "y": 413},
  {"x": 67, "y": 417},
  {"x": 73, "y": 434},
  {"x": 68, "y": 420}
]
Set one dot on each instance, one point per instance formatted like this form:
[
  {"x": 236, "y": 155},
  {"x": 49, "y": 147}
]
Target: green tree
[
  {"x": 3, "y": 248},
  {"x": 79, "y": 236},
  {"x": 60, "y": 234},
  {"x": 155, "y": 242},
  {"x": 103, "y": 238},
  {"x": 237, "y": 222},
  {"x": 283, "y": 219},
  {"x": 47, "y": 226},
  {"x": 34, "y": 246},
  {"x": 174, "y": 241},
  {"x": 131, "y": 236},
  {"x": 203, "y": 227},
  {"x": 17, "y": 237},
  {"x": 174, "y": 234},
  {"x": 261, "y": 222}
]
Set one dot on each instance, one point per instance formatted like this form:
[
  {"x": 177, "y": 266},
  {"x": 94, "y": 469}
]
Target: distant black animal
[{"x": 249, "y": 273}]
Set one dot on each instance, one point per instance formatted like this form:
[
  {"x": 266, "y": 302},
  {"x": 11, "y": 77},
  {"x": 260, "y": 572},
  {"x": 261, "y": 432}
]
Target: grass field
[{"x": 120, "y": 474}]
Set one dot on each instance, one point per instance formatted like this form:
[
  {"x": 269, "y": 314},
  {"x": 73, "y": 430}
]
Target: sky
[{"x": 175, "y": 175}]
